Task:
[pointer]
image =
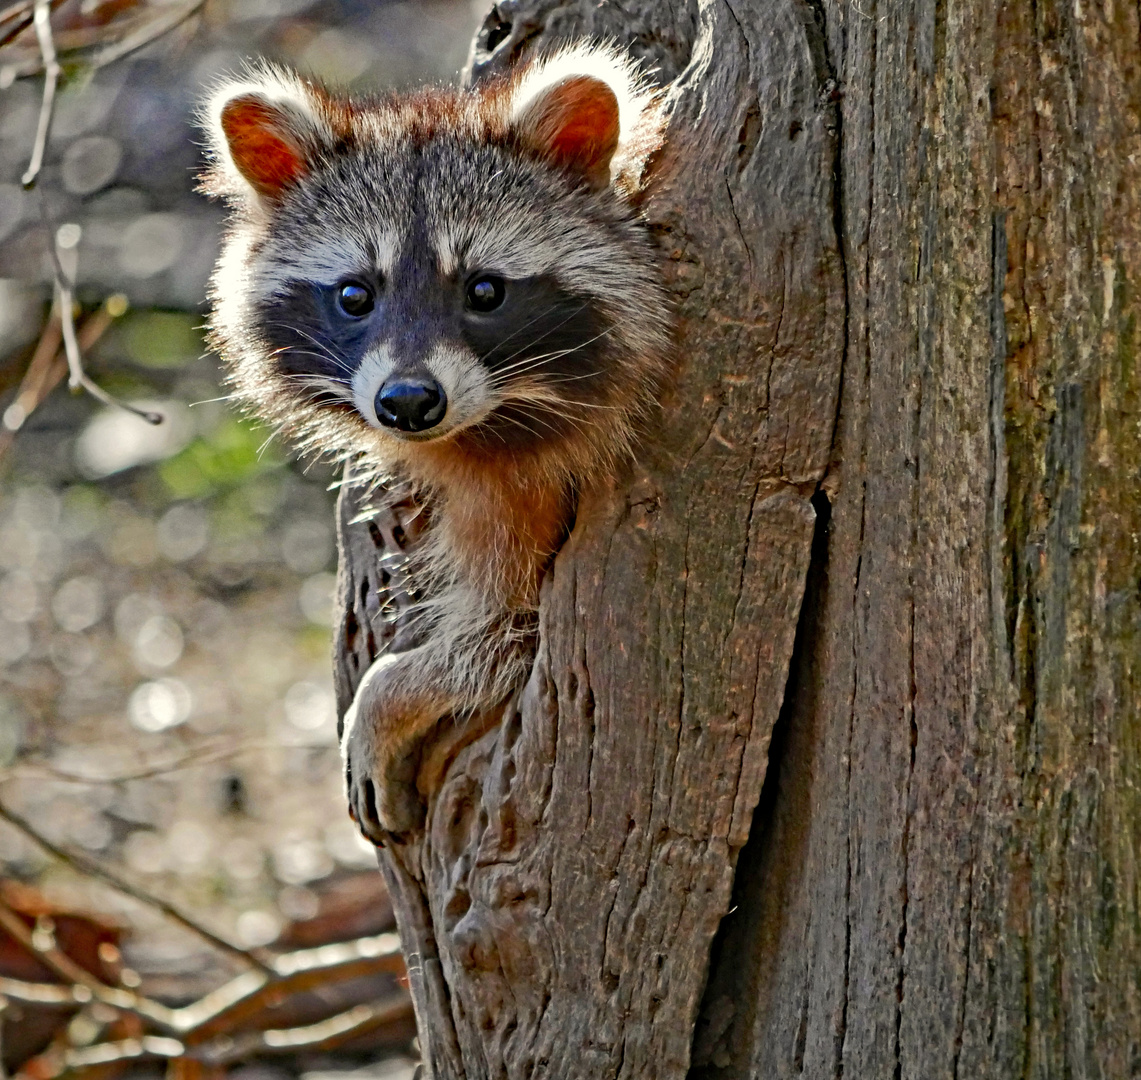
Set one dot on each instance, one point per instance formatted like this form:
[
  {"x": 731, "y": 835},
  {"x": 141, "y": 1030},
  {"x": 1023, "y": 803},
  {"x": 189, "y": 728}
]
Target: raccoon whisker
[
  {"x": 534, "y": 341},
  {"x": 531, "y": 322},
  {"x": 539, "y": 404},
  {"x": 490, "y": 429},
  {"x": 212, "y": 400},
  {"x": 526, "y": 427},
  {"x": 536, "y": 408},
  {"x": 522, "y": 367},
  {"x": 560, "y": 380},
  {"x": 312, "y": 374},
  {"x": 292, "y": 350},
  {"x": 531, "y": 362},
  {"x": 326, "y": 349},
  {"x": 518, "y": 421},
  {"x": 564, "y": 403},
  {"x": 275, "y": 431},
  {"x": 321, "y": 385}
]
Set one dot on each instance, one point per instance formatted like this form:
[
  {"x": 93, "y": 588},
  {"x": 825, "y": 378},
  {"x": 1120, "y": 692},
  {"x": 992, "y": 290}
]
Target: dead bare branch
[
  {"x": 155, "y": 28},
  {"x": 49, "y": 365},
  {"x": 81, "y": 987},
  {"x": 320, "y": 1036},
  {"x": 67, "y": 237},
  {"x": 44, "y": 949},
  {"x": 225, "y": 1050},
  {"x": 41, "y": 19},
  {"x": 295, "y": 972},
  {"x": 85, "y": 865},
  {"x": 223, "y": 1009},
  {"x": 198, "y": 756},
  {"x": 60, "y": 241},
  {"x": 205, "y": 1031}
]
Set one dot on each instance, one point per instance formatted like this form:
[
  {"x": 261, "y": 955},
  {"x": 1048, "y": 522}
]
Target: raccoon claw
[
  {"x": 383, "y": 804},
  {"x": 363, "y": 810}
]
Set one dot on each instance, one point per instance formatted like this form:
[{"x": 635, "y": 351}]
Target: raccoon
[{"x": 453, "y": 292}]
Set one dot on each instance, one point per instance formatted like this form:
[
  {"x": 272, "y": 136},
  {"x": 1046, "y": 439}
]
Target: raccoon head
[{"x": 444, "y": 267}]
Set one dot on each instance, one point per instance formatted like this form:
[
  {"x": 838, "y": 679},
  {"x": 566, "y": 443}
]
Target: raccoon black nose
[{"x": 411, "y": 404}]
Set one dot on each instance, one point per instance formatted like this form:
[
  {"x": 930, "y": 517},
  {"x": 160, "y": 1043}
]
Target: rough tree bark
[{"x": 891, "y": 521}]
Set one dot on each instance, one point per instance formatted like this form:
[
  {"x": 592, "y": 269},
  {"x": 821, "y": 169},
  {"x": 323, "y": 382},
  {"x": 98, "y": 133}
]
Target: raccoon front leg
[{"x": 397, "y": 703}]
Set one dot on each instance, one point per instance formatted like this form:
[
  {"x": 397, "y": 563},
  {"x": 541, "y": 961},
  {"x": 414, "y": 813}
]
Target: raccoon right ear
[{"x": 264, "y": 143}]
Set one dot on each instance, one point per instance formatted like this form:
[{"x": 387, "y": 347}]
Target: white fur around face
[
  {"x": 465, "y": 382},
  {"x": 327, "y": 261},
  {"x": 369, "y": 377}
]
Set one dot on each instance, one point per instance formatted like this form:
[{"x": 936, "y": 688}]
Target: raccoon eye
[
  {"x": 485, "y": 293},
  {"x": 355, "y": 300}
]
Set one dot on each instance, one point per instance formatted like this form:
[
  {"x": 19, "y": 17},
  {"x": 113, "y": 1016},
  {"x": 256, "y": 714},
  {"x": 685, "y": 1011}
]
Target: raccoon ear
[
  {"x": 264, "y": 143},
  {"x": 575, "y": 124}
]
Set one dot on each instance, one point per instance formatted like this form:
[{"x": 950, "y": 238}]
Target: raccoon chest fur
[{"x": 453, "y": 291}]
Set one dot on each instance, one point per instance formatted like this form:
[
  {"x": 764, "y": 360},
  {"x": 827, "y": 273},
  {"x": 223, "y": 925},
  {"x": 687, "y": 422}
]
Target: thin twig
[
  {"x": 306, "y": 969},
  {"x": 83, "y": 985},
  {"x": 49, "y": 365},
  {"x": 234, "y": 1003},
  {"x": 64, "y": 298},
  {"x": 14, "y": 20},
  {"x": 202, "y": 755},
  {"x": 238, "y": 1002},
  {"x": 323, "y": 1035},
  {"x": 93, "y": 869},
  {"x": 78, "y": 379},
  {"x": 46, "y": 367},
  {"x": 56, "y": 961},
  {"x": 41, "y": 19},
  {"x": 54, "y": 996},
  {"x": 94, "y": 46},
  {"x": 151, "y": 30}
]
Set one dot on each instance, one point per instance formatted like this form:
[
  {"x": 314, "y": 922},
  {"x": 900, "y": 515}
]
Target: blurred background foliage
[{"x": 165, "y": 592}]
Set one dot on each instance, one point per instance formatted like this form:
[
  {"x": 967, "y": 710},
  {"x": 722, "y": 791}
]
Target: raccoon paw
[
  {"x": 381, "y": 750},
  {"x": 382, "y": 793}
]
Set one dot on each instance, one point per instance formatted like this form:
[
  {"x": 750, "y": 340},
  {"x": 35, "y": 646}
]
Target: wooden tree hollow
[{"x": 558, "y": 909}]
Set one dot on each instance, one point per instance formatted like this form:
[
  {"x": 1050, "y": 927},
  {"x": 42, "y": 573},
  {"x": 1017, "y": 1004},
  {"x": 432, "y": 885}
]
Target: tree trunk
[{"x": 891, "y": 521}]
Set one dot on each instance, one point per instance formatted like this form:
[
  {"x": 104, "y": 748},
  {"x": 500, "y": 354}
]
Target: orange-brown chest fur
[{"x": 500, "y": 518}]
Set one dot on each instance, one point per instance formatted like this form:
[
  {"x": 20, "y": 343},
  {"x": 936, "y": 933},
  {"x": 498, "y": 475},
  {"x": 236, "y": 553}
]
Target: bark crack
[
  {"x": 961, "y": 1017},
  {"x": 741, "y": 573},
  {"x": 842, "y": 1024},
  {"x": 905, "y": 848},
  {"x": 740, "y": 230}
]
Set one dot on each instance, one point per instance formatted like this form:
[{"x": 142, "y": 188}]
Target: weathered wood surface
[
  {"x": 942, "y": 874},
  {"x": 559, "y": 909},
  {"x": 943, "y": 878}
]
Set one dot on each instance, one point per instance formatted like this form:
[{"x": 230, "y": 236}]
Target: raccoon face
[
  {"x": 450, "y": 323},
  {"x": 446, "y": 266}
]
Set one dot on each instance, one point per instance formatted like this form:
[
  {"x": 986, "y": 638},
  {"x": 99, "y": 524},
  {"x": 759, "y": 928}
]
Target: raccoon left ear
[
  {"x": 575, "y": 124},
  {"x": 262, "y": 144}
]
